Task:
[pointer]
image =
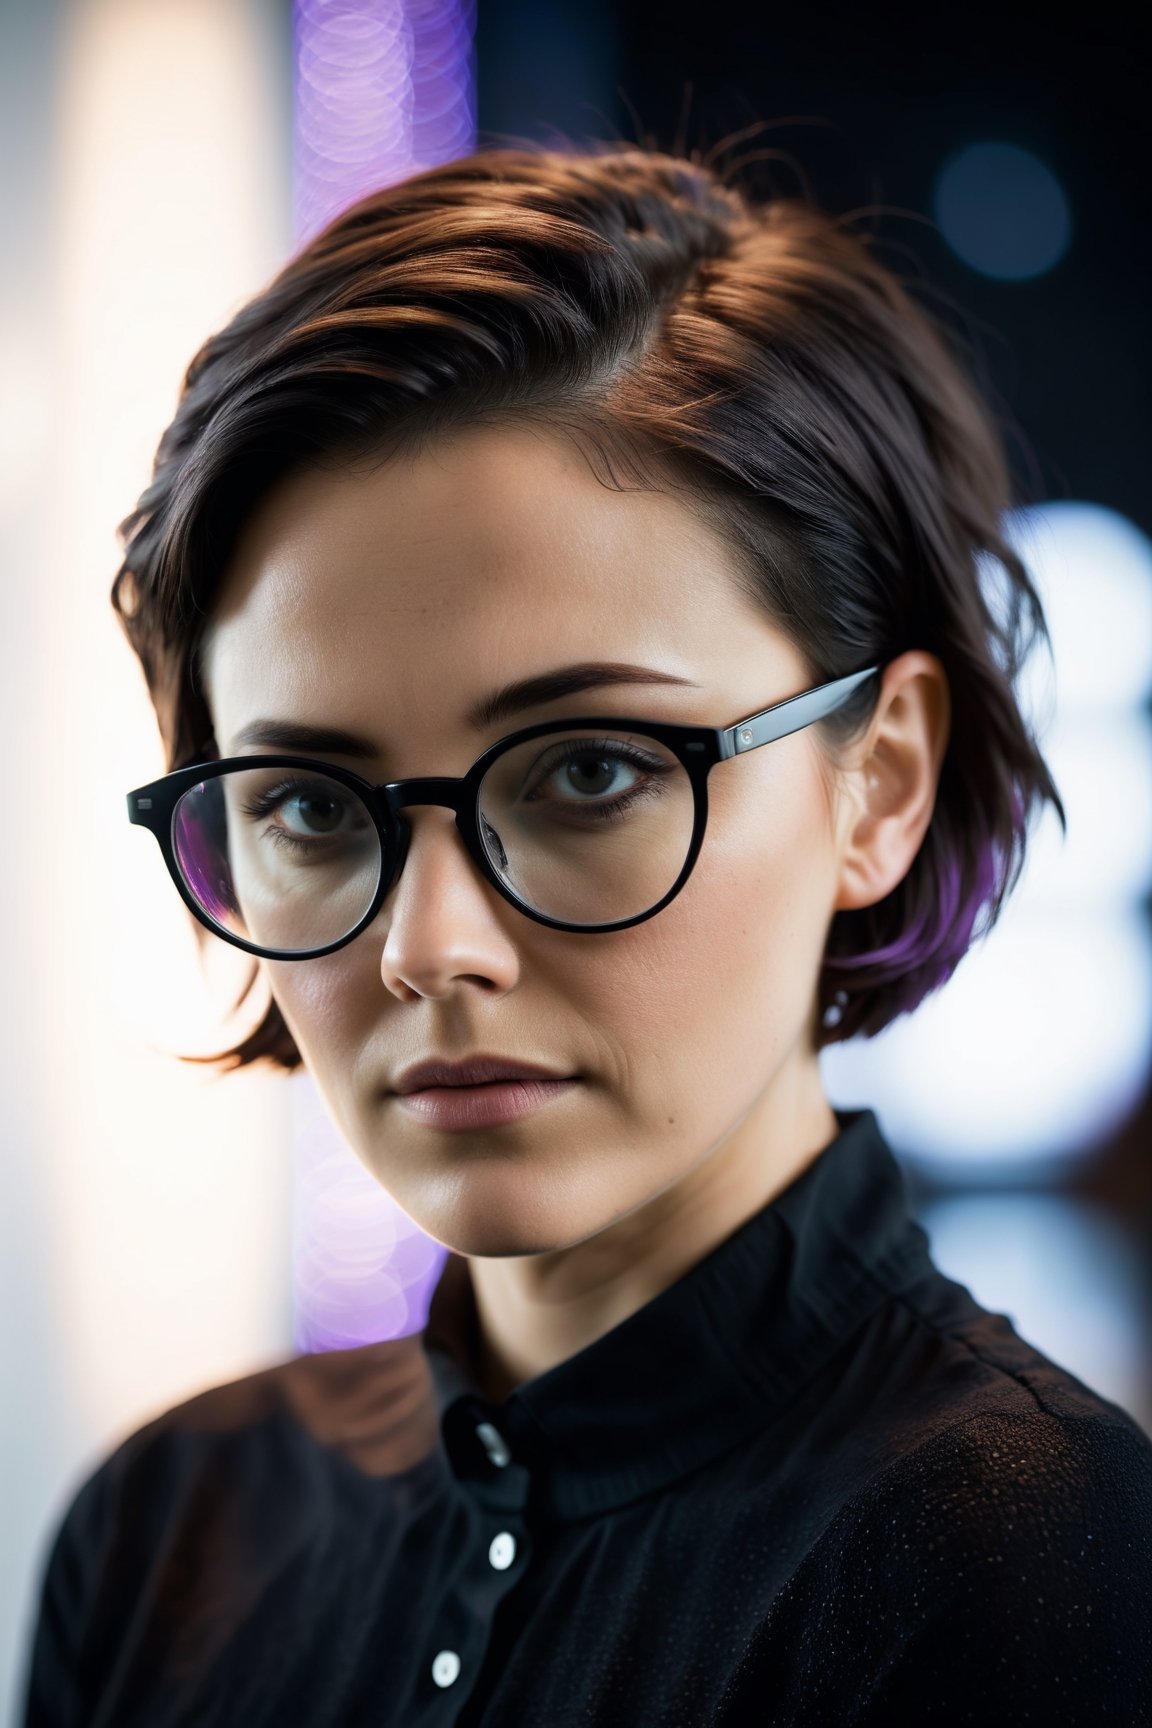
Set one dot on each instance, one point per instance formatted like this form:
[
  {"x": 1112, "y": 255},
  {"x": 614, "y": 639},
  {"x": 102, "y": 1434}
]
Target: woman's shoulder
[
  {"x": 999, "y": 1567},
  {"x": 998, "y": 1442},
  {"x": 250, "y": 1463},
  {"x": 1042, "y": 1480},
  {"x": 271, "y": 1436},
  {"x": 1019, "y": 1489},
  {"x": 371, "y": 1405}
]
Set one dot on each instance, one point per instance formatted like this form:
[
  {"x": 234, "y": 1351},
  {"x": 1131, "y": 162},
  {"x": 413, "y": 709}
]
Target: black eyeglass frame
[{"x": 699, "y": 749}]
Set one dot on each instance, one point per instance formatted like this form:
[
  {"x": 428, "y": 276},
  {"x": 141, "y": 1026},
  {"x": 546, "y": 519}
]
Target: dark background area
[
  {"x": 863, "y": 106},
  {"x": 868, "y": 103}
]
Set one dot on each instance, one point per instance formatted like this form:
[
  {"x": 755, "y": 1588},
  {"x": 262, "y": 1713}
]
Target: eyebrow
[{"x": 500, "y": 705}]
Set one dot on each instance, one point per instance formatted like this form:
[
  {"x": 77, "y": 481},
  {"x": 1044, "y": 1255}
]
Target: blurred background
[{"x": 161, "y": 1229}]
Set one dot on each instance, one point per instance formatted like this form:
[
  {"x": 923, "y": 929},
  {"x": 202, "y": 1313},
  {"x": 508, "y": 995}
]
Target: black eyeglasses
[{"x": 584, "y": 825}]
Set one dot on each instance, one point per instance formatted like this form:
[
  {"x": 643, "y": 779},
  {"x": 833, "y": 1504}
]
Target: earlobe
[{"x": 892, "y": 787}]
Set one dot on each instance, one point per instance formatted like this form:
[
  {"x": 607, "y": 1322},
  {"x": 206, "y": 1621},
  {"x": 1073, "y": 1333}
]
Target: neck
[{"x": 535, "y": 1310}]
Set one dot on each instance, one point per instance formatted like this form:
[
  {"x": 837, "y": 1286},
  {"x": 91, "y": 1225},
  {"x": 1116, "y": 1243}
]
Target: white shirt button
[
  {"x": 502, "y": 1551},
  {"x": 446, "y": 1667},
  {"x": 494, "y": 1444}
]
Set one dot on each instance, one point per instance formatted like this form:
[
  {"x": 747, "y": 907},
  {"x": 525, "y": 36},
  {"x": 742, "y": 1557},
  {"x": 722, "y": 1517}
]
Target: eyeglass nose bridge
[{"x": 450, "y": 793}]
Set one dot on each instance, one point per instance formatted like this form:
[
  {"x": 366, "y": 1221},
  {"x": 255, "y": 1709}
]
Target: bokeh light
[
  {"x": 1003, "y": 211},
  {"x": 383, "y": 89}
]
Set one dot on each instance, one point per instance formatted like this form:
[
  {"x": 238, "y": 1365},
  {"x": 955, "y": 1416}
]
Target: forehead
[{"x": 494, "y": 553}]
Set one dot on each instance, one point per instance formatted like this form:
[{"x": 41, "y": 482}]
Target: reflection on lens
[
  {"x": 284, "y": 858},
  {"x": 588, "y": 827}
]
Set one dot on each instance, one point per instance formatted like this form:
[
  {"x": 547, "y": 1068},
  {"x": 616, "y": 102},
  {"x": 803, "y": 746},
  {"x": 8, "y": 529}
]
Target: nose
[
  {"x": 405, "y": 830},
  {"x": 445, "y": 922}
]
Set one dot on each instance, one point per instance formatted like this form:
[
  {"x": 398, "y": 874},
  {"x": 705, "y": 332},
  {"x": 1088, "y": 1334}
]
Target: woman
[{"x": 563, "y": 592}]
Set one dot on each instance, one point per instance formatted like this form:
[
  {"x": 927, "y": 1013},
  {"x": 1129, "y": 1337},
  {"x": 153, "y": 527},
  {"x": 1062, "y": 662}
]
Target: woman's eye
[
  {"x": 318, "y": 814},
  {"x": 592, "y": 775},
  {"x": 304, "y": 813}
]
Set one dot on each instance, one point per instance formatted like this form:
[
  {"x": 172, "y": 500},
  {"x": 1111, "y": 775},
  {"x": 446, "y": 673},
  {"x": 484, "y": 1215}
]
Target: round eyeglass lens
[
  {"x": 286, "y": 859},
  {"x": 587, "y": 827}
]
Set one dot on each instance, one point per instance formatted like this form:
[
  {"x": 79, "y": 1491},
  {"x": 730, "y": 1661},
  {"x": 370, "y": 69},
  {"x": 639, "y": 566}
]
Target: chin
[
  {"x": 501, "y": 1225},
  {"x": 498, "y": 1239}
]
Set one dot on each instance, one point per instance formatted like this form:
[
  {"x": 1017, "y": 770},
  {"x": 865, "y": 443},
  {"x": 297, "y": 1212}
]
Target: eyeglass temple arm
[{"x": 785, "y": 717}]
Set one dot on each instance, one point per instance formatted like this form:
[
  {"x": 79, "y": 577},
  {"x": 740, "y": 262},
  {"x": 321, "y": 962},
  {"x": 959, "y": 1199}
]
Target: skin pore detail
[{"x": 387, "y": 601}]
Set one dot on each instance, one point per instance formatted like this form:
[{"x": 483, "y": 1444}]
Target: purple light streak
[{"x": 383, "y": 89}]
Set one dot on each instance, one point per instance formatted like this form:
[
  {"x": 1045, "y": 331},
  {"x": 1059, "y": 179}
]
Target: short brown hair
[{"x": 752, "y": 352}]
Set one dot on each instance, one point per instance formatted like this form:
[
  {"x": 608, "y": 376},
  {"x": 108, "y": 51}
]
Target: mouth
[
  {"x": 474, "y": 1071},
  {"x": 484, "y": 1104}
]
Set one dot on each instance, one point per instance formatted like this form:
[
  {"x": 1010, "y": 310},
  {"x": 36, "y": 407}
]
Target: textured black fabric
[{"x": 812, "y": 1482}]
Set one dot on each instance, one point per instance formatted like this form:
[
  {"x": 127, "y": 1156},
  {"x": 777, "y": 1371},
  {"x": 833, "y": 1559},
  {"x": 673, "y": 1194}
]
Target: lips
[
  {"x": 476, "y": 1071},
  {"x": 465, "y": 1110}
]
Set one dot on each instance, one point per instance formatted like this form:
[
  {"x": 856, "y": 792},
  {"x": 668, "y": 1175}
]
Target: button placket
[{"x": 497, "y": 1483}]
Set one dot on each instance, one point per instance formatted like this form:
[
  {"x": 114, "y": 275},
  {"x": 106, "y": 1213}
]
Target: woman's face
[{"x": 387, "y": 604}]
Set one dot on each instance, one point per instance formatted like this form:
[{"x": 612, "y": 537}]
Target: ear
[{"x": 890, "y": 778}]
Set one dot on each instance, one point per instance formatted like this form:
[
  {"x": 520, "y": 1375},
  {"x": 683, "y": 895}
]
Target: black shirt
[{"x": 812, "y": 1482}]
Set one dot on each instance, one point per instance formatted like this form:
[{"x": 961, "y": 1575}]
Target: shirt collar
[{"x": 708, "y": 1361}]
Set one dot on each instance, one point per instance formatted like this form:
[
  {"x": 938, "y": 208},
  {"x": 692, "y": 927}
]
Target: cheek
[
  {"x": 721, "y": 983},
  {"x": 332, "y": 1009}
]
